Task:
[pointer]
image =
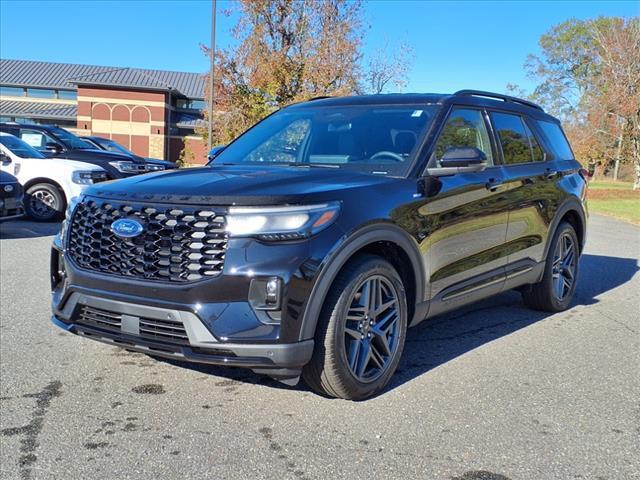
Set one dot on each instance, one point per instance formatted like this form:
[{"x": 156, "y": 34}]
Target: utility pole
[{"x": 212, "y": 54}]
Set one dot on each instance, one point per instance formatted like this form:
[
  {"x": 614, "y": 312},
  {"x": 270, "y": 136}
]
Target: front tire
[
  {"x": 361, "y": 331},
  {"x": 555, "y": 291},
  {"x": 44, "y": 202}
]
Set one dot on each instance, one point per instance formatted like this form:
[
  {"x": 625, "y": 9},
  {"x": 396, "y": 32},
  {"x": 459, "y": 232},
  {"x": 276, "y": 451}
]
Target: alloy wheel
[
  {"x": 43, "y": 203},
  {"x": 371, "y": 328},
  {"x": 563, "y": 271}
]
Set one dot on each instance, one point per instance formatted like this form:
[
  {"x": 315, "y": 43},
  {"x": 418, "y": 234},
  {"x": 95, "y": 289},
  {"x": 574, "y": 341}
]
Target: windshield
[
  {"x": 20, "y": 148},
  {"x": 377, "y": 139},
  {"x": 70, "y": 140},
  {"x": 111, "y": 146}
]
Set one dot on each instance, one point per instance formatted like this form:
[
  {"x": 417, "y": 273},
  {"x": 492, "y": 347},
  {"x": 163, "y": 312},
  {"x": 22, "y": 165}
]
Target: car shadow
[
  {"x": 15, "y": 229},
  {"x": 441, "y": 339}
]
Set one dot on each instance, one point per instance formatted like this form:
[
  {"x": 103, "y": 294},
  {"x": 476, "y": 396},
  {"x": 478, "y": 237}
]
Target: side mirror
[
  {"x": 460, "y": 160},
  {"x": 4, "y": 158},
  {"x": 215, "y": 151},
  {"x": 53, "y": 147}
]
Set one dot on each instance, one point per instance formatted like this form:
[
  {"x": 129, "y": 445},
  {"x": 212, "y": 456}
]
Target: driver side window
[{"x": 463, "y": 128}]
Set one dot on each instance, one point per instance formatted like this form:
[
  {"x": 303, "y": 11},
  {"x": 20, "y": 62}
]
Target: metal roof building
[{"x": 152, "y": 112}]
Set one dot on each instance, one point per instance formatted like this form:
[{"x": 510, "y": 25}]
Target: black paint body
[{"x": 454, "y": 239}]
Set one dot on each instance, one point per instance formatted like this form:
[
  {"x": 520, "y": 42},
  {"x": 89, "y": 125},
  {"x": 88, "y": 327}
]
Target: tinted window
[
  {"x": 513, "y": 138},
  {"x": 69, "y": 139},
  {"x": 556, "y": 139},
  {"x": 536, "y": 151},
  {"x": 463, "y": 128}
]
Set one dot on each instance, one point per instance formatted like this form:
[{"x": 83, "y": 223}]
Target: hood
[
  {"x": 238, "y": 185},
  {"x": 99, "y": 156},
  {"x": 7, "y": 177},
  {"x": 75, "y": 164}
]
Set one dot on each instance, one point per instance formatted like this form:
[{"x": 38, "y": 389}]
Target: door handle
[{"x": 493, "y": 184}]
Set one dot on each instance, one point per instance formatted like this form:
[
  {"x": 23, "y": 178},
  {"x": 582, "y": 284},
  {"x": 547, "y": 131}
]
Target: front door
[{"x": 465, "y": 222}]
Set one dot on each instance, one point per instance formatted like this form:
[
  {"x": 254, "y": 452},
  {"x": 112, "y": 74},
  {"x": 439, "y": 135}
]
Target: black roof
[{"x": 463, "y": 97}]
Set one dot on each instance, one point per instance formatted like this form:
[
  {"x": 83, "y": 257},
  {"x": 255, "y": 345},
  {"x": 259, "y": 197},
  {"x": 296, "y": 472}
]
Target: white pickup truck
[{"x": 49, "y": 183}]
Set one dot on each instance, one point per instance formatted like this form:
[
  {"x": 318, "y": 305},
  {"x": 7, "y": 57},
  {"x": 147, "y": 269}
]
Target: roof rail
[
  {"x": 504, "y": 98},
  {"x": 321, "y": 97}
]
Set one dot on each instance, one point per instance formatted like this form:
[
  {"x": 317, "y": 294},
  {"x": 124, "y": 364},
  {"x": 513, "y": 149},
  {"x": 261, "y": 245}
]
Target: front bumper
[
  {"x": 11, "y": 208},
  {"x": 215, "y": 317}
]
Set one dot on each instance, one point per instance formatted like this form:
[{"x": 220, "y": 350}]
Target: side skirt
[{"x": 514, "y": 275}]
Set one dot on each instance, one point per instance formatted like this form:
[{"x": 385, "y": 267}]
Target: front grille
[
  {"x": 178, "y": 244},
  {"x": 169, "y": 331},
  {"x": 16, "y": 190}
]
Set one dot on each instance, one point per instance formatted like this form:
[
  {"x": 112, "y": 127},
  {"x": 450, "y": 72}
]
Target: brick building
[{"x": 151, "y": 112}]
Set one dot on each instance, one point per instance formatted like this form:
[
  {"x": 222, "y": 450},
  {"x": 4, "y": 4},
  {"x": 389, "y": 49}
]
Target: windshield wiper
[{"x": 314, "y": 165}]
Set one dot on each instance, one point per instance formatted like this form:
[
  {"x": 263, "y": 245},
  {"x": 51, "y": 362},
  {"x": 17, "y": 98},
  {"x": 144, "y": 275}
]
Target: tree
[
  {"x": 589, "y": 72},
  {"x": 387, "y": 68},
  {"x": 293, "y": 50},
  {"x": 288, "y": 51}
]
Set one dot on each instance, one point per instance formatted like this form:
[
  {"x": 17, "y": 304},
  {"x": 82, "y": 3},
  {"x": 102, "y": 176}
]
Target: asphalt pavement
[{"x": 492, "y": 392}]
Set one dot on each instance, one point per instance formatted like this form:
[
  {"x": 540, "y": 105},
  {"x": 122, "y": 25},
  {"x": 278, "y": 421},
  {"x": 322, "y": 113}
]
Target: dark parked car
[
  {"x": 153, "y": 164},
  {"x": 318, "y": 236},
  {"x": 54, "y": 141},
  {"x": 11, "y": 193}
]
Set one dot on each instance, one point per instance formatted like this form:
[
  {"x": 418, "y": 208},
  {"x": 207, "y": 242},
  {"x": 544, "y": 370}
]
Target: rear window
[
  {"x": 513, "y": 137},
  {"x": 556, "y": 139}
]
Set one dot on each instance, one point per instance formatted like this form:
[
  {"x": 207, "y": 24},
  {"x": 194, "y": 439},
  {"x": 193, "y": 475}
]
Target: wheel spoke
[
  {"x": 383, "y": 342},
  {"x": 353, "y": 333},
  {"x": 365, "y": 296},
  {"x": 363, "y": 358},
  {"x": 354, "y": 350},
  {"x": 378, "y": 359}
]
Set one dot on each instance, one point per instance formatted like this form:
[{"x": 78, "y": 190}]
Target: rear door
[
  {"x": 532, "y": 195},
  {"x": 466, "y": 220}
]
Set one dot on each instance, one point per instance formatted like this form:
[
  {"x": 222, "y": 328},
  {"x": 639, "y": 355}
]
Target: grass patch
[
  {"x": 616, "y": 199},
  {"x": 605, "y": 185},
  {"x": 625, "y": 209}
]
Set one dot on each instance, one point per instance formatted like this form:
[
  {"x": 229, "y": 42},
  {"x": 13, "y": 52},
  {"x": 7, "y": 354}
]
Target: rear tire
[
  {"x": 44, "y": 202},
  {"x": 361, "y": 331},
  {"x": 555, "y": 291}
]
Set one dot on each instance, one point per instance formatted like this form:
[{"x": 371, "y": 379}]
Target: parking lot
[{"x": 492, "y": 392}]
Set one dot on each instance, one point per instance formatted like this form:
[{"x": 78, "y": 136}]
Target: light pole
[{"x": 212, "y": 54}]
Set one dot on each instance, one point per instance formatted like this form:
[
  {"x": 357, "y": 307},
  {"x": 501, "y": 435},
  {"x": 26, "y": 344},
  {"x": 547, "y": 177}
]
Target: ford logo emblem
[{"x": 127, "y": 228}]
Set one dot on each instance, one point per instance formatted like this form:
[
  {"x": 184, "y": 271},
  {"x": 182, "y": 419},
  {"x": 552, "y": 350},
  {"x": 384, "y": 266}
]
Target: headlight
[
  {"x": 128, "y": 167},
  {"x": 281, "y": 223},
  {"x": 154, "y": 167},
  {"x": 89, "y": 177}
]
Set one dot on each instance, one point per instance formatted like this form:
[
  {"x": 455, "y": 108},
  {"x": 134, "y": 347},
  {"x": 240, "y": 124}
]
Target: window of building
[
  {"x": 464, "y": 128},
  {"x": 67, "y": 95},
  {"x": 41, "y": 93},
  {"x": 188, "y": 104},
  {"x": 556, "y": 139},
  {"x": 513, "y": 137},
  {"x": 11, "y": 91}
]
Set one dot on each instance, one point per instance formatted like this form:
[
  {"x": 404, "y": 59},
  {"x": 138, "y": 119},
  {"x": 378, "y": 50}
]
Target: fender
[
  {"x": 344, "y": 250},
  {"x": 571, "y": 204}
]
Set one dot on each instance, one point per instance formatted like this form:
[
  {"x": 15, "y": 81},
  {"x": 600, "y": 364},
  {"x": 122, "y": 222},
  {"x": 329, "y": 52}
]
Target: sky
[{"x": 479, "y": 45}]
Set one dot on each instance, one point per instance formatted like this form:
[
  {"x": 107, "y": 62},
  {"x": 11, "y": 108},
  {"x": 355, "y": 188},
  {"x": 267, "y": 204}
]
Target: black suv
[
  {"x": 54, "y": 141},
  {"x": 318, "y": 236}
]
